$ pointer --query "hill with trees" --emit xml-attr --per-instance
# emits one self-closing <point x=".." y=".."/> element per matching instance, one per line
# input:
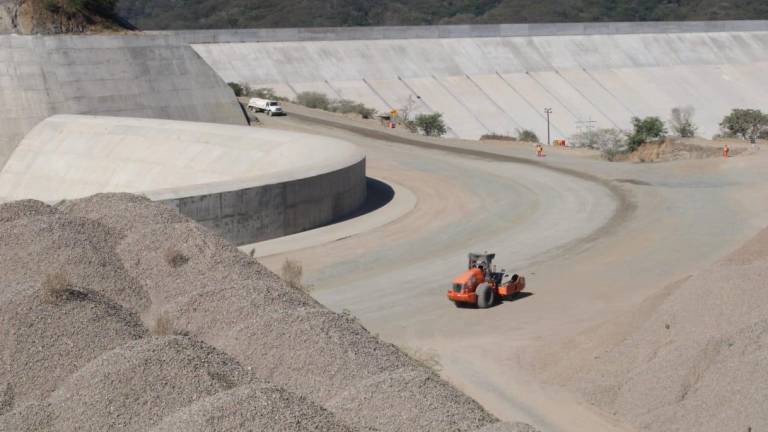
<point x="60" y="16"/>
<point x="200" y="14"/>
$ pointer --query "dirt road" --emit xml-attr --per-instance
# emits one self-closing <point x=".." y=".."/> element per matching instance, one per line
<point x="595" y="240"/>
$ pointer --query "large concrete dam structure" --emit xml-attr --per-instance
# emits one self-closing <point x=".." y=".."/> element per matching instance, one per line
<point x="248" y="184"/>
<point x="498" y="78"/>
<point x="110" y="75"/>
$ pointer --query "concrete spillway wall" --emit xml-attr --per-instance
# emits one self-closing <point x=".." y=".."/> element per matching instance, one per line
<point x="111" y="75"/>
<point x="248" y="184"/>
<point x="496" y="79"/>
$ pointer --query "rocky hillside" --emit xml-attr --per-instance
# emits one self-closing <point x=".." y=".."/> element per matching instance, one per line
<point x="197" y="14"/>
<point x="59" y="17"/>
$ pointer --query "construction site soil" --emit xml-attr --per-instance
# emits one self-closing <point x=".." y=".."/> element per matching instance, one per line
<point x="84" y="282"/>
<point x="697" y="362"/>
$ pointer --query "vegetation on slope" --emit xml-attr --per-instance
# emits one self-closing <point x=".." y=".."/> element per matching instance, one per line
<point x="180" y="14"/>
<point x="60" y="16"/>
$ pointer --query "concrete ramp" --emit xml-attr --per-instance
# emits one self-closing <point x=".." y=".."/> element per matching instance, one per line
<point x="496" y="79"/>
<point x="133" y="75"/>
<point x="249" y="184"/>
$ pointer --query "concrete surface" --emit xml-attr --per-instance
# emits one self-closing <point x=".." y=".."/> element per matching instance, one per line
<point x="249" y="184"/>
<point x="110" y="75"/>
<point x="496" y="80"/>
<point x="403" y="202"/>
<point x="453" y="31"/>
<point x="594" y="239"/>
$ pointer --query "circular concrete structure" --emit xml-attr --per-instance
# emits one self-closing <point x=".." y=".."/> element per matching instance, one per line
<point x="249" y="184"/>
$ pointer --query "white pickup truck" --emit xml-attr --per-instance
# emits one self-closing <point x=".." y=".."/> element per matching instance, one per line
<point x="264" y="105"/>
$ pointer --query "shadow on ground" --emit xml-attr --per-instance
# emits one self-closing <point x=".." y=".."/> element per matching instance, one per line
<point x="378" y="195"/>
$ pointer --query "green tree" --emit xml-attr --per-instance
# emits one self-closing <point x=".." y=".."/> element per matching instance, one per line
<point x="431" y="124"/>
<point x="101" y="6"/>
<point x="237" y="88"/>
<point x="746" y="123"/>
<point x="681" y="121"/>
<point x="527" y="135"/>
<point x="645" y="130"/>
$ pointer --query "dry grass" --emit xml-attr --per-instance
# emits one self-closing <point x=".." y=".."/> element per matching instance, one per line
<point x="56" y="288"/>
<point x="292" y="273"/>
<point x="175" y="258"/>
<point x="163" y="325"/>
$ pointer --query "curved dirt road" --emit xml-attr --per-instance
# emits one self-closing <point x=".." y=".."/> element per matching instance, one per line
<point x="594" y="239"/>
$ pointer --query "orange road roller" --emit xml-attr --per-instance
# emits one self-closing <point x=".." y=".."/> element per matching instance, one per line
<point x="481" y="285"/>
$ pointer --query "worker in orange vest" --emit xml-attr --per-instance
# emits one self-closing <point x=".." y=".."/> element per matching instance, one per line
<point x="726" y="150"/>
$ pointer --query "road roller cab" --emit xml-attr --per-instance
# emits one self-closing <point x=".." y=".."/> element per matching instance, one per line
<point x="481" y="285"/>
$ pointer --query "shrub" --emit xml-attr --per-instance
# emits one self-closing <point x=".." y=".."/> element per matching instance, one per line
<point x="649" y="129"/>
<point x="681" y="122"/>
<point x="163" y="325"/>
<point x="431" y="124"/>
<point x="346" y="106"/>
<point x="175" y="258"/>
<point x="312" y="99"/>
<point x="52" y="6"/>
<point x="497" y="137"/>
<point x="292" y="273"/>
<point x="610" y="142"/>
<point x="746" y="123"/>
<point x="527" y="135"/>
<point x="100" y="6"/>
<point x="266" y="93"/>
<point x="56" y="288"/>
<point x="237" y="89"/>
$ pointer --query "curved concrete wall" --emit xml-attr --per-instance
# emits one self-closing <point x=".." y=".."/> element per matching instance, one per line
<point x="249" y="184"/>
<point x="114" y="75"/>
<point x="500" y="78"/>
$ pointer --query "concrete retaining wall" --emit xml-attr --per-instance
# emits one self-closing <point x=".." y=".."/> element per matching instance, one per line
<point x="265" y="212"/>
<point x="110" y="75"/>
<point x="497" y="79"/>
<point x="248" y="184"/>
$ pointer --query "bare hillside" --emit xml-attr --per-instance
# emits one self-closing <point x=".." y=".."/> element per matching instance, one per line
<point x="59" y="17"/>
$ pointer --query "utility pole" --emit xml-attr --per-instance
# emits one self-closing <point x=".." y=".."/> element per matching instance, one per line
<point x="589" y="125"/>
<point x="548" y="111"/>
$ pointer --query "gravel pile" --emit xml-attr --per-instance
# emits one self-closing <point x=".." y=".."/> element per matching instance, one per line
<point x="252" y="408"/>
<point x="699" y="363"/>
<point x="254" y="353"/>
<point x="137" y="385"/>
<point x="41" y="344"/>
<point x="47" y="242"/>
<point x="232" y="302"/>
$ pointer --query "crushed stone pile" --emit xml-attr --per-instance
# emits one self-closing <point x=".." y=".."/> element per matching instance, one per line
<point x="232" y="302"/>
<point x="252" y="408"/>
<point x="699" y="362"/>
<point x="239" y="346"/>
<point x="37" y="242"/>
<point x="43" y="341"/>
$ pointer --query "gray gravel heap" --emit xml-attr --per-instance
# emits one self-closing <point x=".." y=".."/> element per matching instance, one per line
<point x="700" y="361"/>
<point x="232" y="302"/>
<point x="41" y="344"/>
<point x="252" y="408"/>
<point x="255" y="354"/>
